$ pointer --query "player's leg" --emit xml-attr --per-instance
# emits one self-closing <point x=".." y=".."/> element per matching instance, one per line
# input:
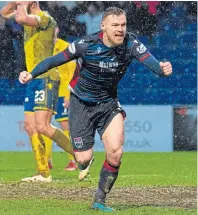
<point x="48" y="150"/>
<point x="36" y="140"/>
<point x="38" y="145"/>
<point x="82" y="134"/>
<point x="40" y="102"/>
<point x="113" y="138"/>
<point x="62" y="118"/>
<point x="43" y="119"/>
<point x="45" y="107"/>
<point x="85" y="160"/>
<point x="71" y="166"/>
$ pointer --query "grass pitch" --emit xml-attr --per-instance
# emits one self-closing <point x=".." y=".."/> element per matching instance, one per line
<point x="148" y="184"/>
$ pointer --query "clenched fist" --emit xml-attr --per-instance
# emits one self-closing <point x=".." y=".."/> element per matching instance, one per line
<point x="25" y="77"/>
<point x="166" y="68"/>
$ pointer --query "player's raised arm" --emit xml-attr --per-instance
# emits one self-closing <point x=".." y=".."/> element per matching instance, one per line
<point x="44" y="66"/>
<point x="50" y="63"/>
<point x="141" y="53"/>
<point x="8" y="10"/>
<point x="74" y="51"/>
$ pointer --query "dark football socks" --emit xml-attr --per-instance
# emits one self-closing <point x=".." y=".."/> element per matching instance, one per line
<point x="108" y="176"/>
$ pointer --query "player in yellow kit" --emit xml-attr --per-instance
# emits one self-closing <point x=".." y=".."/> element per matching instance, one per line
<point x="66" y="72"/>
<point x="42" y="93"/>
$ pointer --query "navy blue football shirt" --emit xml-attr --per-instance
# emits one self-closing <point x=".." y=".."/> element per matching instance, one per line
<point x="102" y="67"/>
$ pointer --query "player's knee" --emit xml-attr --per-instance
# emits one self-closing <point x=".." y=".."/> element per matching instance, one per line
<point x="83" y="157"/>
<point x="41" y="129"/>
<point x="114" y="156"/>
<point x="82" y="160"/>
<point x="116" y="152"/>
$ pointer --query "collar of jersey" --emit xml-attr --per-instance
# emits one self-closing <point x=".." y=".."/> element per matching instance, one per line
<point x="100" y="36"/>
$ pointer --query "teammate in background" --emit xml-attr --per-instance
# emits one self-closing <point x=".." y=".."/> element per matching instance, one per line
<point x="66" y="72"/>
<point x="105" y="55"/>
<point x="41" y="93"/>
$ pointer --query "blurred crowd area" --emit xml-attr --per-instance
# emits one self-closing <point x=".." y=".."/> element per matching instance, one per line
<point x="78" y="18"/>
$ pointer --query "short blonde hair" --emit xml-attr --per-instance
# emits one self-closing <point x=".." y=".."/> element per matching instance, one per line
<point x="113" y="11"/>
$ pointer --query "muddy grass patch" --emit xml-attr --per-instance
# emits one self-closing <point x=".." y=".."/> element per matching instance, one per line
<point x="173" y="196"/>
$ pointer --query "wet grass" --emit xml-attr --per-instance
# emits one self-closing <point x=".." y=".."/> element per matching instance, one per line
<point x="148" y="183"/>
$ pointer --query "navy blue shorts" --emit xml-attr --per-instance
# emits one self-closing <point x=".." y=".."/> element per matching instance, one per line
<point x="85" y="118"/>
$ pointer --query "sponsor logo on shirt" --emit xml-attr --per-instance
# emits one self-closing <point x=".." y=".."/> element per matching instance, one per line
<point x="103" y="64"/>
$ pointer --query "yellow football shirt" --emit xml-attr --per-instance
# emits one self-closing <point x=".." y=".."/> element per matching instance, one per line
<point x="39" y="43"/>
<point x="66" y="71"/>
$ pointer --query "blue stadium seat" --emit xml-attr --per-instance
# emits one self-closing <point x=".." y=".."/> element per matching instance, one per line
<point x="2" y="96"/>
<point x="145" y="40"/>
<point x="5" y="83"/>
<point x="15" y="96"/>
<point x="185" y="95"/>
<point x="192" y="27"/>
<point x="188" y="40"/>
<point x="17" y="84"/>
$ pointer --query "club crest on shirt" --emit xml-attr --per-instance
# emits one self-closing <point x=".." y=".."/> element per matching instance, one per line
<point x="78" y="142"/>
<point x="141" y="48"/>
<point x="121" y="50"/>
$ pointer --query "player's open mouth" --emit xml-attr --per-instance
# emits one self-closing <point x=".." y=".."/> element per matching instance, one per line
<point x="119" y="36"/>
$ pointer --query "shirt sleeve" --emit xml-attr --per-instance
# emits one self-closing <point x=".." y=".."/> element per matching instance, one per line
<point x="140" y="53"/>
<point x="74" y="51"/>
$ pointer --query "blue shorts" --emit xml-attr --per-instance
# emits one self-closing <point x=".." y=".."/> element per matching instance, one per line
<point x="41" y="94"/>
<point x="62" y="112"/>
<point x="85" y="118"/>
